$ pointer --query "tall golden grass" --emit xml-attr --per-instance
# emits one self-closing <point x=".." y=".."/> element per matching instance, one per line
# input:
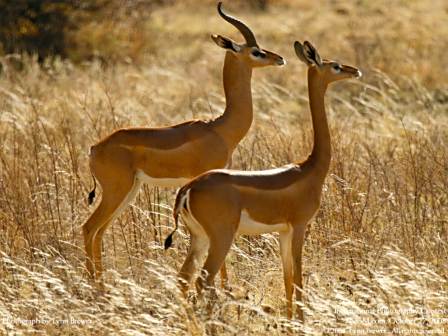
<point x="376" y="255"/>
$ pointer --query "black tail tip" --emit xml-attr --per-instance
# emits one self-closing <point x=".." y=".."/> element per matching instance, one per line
<point x="91" y="196"/>
<point x="169" y="241"/>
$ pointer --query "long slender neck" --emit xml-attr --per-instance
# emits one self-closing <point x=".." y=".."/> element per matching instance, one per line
<point x="237" y="118"/>
<point x="321" y="154"/>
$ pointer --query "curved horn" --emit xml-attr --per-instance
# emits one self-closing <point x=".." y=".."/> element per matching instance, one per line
<point x="247" y="33"/>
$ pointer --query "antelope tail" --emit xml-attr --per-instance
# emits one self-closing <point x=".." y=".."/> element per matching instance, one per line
<point x="91" y="196"/>
<point x="181" y="197"/>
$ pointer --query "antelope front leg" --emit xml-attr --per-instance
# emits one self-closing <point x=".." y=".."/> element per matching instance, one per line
<point x="287" y="261"/>
<point x="297" y="247"/>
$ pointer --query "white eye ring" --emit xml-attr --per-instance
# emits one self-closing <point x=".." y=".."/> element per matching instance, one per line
<point x="336" y="68"/>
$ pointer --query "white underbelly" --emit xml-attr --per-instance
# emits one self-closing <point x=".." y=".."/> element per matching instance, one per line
<point x="162" y="182"/>
<point x="248" y="226"/>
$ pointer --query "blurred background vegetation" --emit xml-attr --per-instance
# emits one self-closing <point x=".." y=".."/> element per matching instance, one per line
<point x="397" y="38"/>
<point x="77" y="29"/>
<point x="50" y="27"/>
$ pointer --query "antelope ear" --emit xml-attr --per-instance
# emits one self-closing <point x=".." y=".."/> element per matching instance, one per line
<point x="226" y="43"/>
<point x="311" y="54"/>
<point x="298" y="47"/>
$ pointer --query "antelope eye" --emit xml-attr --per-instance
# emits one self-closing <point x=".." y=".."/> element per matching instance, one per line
<point x="257" y="53"/>
<point x="336" y="68"/>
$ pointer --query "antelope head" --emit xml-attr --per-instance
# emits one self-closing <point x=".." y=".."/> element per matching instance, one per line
<point x="327" y="70"/>
<point x="249" y="52"/>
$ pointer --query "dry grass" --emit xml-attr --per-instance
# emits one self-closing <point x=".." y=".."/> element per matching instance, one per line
<point x="376" y="255"/>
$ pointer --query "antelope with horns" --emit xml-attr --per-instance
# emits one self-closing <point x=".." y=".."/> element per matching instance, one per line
<point x="221" y="204"/>
<point x="171" y="156"/>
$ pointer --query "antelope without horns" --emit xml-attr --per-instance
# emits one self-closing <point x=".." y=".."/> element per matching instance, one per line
<point x="221" y="204"/>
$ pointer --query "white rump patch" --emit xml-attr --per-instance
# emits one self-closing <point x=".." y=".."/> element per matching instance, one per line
<point x="161" y="182"/>
<point x="182" y="201"/>
<point x="248" y="226"/>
